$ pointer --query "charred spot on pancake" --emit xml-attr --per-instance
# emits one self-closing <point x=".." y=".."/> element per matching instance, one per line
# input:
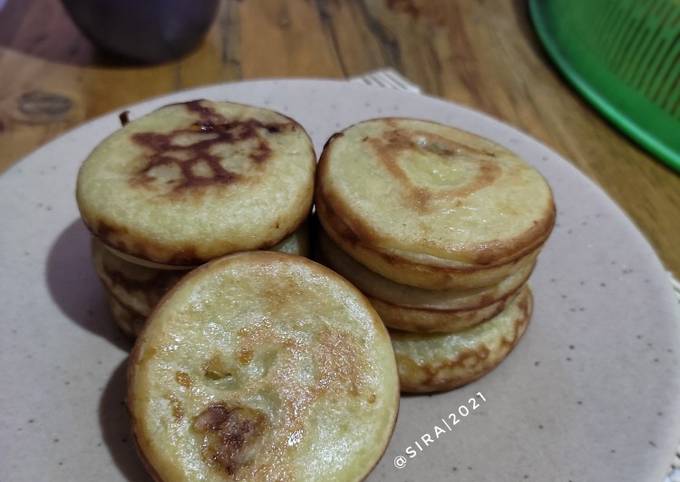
<point x="183" y="379"/>
<point x="198" y="107"/>
<point x="180" y="151"/>
<point x="230" y="435"/>
<point x="261" y="153"/>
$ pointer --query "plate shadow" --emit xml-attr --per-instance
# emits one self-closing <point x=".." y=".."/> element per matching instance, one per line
<point x="114" y="422"/>
<point x="75" y="288"/>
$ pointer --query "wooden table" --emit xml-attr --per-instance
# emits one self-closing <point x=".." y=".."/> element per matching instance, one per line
<point x="479" y="53"/>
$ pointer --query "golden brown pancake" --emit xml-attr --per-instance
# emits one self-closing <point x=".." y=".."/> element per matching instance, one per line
<point x="380" y="288"/>
<point x="193" y="181"/>
<point x="141" y="287"/>
<point x="129" y="322"/>
<point x="262" y="366"/>
<point x="407" y="308"/>
<point x="423" y="320"/>
<point x="438" y="362"/>
<point x="431" y="206"/>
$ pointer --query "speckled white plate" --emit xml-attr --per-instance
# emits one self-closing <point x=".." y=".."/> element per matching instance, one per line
<point x="591" y="394"/>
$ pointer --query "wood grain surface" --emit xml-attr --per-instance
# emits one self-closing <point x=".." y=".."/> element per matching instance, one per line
<point x="479" y="53"/>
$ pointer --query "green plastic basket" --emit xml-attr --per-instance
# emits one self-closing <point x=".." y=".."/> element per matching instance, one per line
<point x="624" y="57"/>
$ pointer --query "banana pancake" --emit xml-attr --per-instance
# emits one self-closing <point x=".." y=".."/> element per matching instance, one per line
<point x="431" y="206"/>
<point x="193" y="181"/>
<point x="262" y="366"/>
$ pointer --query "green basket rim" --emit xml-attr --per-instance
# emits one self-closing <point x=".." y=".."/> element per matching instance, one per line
<point x="615" y="115"/>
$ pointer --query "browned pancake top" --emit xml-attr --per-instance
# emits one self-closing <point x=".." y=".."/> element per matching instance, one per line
<point x="187" y="150"/>
<point x="428" y="192"/>
<point x="197" y="180"/>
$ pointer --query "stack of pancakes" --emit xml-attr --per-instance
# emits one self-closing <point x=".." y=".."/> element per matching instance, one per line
<point x="440" y="229"/>
<point x="188" y="183"/>
<point x="262" y="365"/>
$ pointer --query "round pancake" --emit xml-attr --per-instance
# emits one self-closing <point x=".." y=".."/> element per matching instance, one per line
<point x="193" y="181"/>
<point x="141" y="288"/>
<point x="378" y="287"/>
<point x="423" y="320"/>
<point x="429" y="277"/>
<point x="262" y="366"/>
<point x="127" y="320"/>
<point x="432" y="363"/>
<point x="431" y="206"/>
